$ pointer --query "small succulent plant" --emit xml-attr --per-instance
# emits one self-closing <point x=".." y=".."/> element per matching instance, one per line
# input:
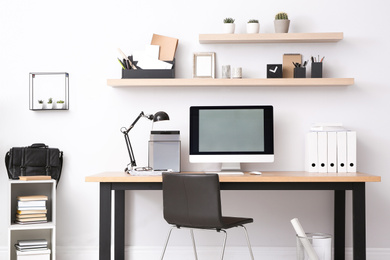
<point x="281" y="16"/>
<point x="253" y="21"/>
<point x="40" y="101"/>
<point x="228" y="20"/>
<point x="50" y="101"/>
<point x="60" y="102"/>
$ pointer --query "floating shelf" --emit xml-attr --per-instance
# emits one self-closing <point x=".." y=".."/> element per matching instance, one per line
<point x="271" y="38"/>
<point x="199" y="82"/>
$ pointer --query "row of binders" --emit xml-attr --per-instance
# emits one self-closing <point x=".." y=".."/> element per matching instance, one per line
<point x="331" y="151"/>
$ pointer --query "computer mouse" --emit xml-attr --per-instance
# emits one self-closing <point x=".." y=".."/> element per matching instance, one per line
<point x="255" y="172"/>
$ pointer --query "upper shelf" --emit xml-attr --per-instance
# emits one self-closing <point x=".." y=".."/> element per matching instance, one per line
<point x="198" y="82"/>
<point x="271" y="38"/>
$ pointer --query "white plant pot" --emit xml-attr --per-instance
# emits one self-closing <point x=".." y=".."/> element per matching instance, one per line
<point x="281" y="26"/>
<point x="60" y="105"/>
<point x="40" y="106"/>
<point x="229" y="27"/>
<point x="252" y="27"/>
<point x="49" y="106"/>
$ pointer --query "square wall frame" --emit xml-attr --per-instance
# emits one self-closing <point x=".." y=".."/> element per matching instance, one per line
<point x="49" y="85"/>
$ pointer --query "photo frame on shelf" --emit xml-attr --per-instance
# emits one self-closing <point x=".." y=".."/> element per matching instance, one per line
<point x="204" y="65"/>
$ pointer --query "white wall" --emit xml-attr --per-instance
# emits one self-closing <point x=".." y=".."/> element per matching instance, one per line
<point x="82" y="37"/>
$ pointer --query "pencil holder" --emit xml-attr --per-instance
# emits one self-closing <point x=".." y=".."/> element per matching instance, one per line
<point x="300" y="72"/>
<point x="316" y="69"/>
<point x="314" y="246"/>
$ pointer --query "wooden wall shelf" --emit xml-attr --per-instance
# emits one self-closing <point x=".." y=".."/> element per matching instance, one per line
<point x="271" y="38"/>
<point x="198" y="82"/>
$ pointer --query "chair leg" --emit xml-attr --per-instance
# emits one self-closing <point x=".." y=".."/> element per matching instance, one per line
<point x="166" y="243"/>
<point x="193" y="243"/>
<point x="224" y="244"/>
<point x="248" y="242"/>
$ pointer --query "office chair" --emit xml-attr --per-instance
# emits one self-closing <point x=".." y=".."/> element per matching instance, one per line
<point x="193" y="201"/>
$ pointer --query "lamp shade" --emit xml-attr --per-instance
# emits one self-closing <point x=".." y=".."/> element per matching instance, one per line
<point x="160" y="116"/>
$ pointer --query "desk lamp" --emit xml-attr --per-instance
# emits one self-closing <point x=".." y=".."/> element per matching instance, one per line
<point x="159" y="116"/>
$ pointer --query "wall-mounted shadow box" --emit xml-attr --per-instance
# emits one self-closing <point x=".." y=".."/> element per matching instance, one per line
<point x="148" y="73"/>
<point x="46" y="86"/>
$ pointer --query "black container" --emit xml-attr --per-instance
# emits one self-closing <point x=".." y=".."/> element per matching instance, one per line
<point x="300" y="72"/>
<point x="144" y="74"/>
<point x="316" y="69"/>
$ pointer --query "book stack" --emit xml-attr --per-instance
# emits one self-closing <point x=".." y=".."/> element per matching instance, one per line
<point x="31" y="245"/>
<point x="32" y="249"/>
<point x="31" y="209"/>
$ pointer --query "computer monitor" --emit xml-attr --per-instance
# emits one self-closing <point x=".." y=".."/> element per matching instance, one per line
<point x="231" y="135"/>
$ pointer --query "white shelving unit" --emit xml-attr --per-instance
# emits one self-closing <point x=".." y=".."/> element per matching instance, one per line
<point x="32" y="231"/>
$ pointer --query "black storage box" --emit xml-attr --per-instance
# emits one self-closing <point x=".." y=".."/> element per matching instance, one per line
<point x="141" y="74"/>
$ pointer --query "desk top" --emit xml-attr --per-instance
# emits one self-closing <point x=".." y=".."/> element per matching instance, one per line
<point x="282" y="176"/>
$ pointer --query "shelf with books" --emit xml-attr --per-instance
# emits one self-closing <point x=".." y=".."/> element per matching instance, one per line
<point x="36" y="201"/>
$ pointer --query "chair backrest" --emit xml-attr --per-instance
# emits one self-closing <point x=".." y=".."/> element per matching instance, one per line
<point x="192" y="200"/>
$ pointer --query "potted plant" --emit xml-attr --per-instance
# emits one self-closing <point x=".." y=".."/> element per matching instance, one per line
<point x="253" y="26"/>
<point x="40" y="104"/>
<point x="229" y="25"/>
<point x="281" y="23"/>
<point x="49" y="104"/>
<point x="60" y="104"/>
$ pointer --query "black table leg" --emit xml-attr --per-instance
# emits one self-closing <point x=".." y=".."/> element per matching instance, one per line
<point x="105" y="221"/>
<point x="119" y="225"/>
<point x="359" y="220"/>
<point x="339" y="224"/>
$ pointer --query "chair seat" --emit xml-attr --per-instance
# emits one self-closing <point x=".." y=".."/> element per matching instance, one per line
<point x="226" y="223"/>
<point x="229" y="222"/>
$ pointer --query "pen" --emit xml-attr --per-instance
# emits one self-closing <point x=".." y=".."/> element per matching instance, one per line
<point x="322" y="58"/>
<point x="121" y="63"/>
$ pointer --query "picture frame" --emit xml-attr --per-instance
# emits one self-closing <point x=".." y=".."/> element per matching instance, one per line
<point x="204" y="65"/>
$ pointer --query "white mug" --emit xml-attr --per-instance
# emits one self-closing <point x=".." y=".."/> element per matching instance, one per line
<point x="237" y="73"/>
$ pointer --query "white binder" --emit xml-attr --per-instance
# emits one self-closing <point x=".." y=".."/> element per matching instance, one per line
<point x="322" y="152"/>
<point x="351" y="151"/>
<point x="342" y="151"/>
<point x="332" y="151"/>
<point x="311" y="160"/>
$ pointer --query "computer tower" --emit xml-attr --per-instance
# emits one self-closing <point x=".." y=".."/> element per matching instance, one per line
<point x="164" y="150"/>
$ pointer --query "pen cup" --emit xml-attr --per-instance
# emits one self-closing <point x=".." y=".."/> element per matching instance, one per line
<point x="300" y="72"/>
<point x="316" y="69"/>
<point x="314" y="244"/>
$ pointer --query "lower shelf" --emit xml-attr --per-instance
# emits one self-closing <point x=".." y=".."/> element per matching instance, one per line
<point x="199" y="82"/>
<point x="47" y="233"/>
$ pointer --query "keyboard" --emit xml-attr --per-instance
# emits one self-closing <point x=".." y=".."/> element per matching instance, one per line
<point x="226" y="173"/>
<point x="146" y="173"/>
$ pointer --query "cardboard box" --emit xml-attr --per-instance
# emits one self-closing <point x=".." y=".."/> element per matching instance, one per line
<point x="33" y="255"/>
<point x="288" y="66"/>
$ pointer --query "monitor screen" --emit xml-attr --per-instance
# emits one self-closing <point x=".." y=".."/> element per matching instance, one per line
<point x="234" y="134"/>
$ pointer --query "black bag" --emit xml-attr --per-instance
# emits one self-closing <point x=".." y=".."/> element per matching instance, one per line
<point x="37" y="159"/>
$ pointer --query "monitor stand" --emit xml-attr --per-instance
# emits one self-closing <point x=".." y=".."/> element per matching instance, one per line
<point x="229" y="169"/>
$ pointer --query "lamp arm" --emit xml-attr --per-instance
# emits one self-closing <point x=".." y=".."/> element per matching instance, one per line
<point x="130" y="150"/>
<point x="135" y="121"/>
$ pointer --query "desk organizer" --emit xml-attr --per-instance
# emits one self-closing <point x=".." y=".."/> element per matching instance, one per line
<point x="300" y="72"/>
<point x="140" y="73"/>
<point x="316" y="70"/>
